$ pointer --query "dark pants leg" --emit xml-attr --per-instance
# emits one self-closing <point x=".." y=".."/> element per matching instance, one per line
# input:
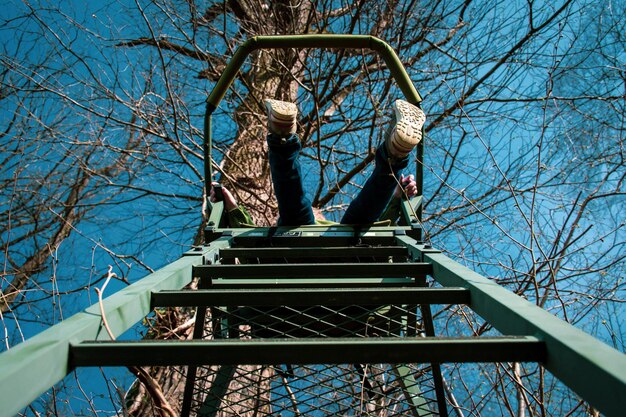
<point x="294" y="207"/>
<point x="372" y="200"/>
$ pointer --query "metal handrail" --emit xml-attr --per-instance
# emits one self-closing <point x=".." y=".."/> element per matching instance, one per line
<point x="319" y="41"/>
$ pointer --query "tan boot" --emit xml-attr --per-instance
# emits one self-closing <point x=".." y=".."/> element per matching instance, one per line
<point x="406" y="132"/>
<point x="281" y="117"/>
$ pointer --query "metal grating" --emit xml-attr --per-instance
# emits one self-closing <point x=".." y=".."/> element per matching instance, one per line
<point x="311" y="321"/>
<point x="315" y="390"/>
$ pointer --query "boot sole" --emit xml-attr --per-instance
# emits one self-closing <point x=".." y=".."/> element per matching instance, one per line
<point x="407" y="132"/>
<point x="281" y="110"/>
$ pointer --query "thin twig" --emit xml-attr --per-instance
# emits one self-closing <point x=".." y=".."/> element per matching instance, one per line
<point x="152" y="386"/>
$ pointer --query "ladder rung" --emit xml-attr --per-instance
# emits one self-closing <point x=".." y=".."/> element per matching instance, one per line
<point x="315" y="238"/>
<point x="308" y="351"/>
<point x="315" y="252"/>
<point x="314" y="270"/>
<point x="238" y="283"/>
<point x="310" y="297"/>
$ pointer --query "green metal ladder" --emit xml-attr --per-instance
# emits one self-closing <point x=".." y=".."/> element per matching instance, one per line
<point x="342" y="269"/>
<point x="308" y="301"/>
<point x="592" y="369"/>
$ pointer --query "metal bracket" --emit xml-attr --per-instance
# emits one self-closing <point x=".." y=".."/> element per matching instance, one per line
<point x="211" y="233"/>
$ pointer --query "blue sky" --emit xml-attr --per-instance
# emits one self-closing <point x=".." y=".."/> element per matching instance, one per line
<point x="113" y="226"/>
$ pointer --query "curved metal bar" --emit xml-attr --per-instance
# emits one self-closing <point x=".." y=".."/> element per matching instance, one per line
<point x="320" y="41"/>
<point x="315" y="41"/>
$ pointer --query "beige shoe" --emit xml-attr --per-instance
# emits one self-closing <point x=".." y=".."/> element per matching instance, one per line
<point x="281" y="116"/>
<point x="406" y="133"/>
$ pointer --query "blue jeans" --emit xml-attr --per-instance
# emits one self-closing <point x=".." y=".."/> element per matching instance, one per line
<point x="294" y="207"/>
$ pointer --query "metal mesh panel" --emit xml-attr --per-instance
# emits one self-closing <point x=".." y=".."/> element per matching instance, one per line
<point x="313" y="390"/>
<point x="310" y="321"/>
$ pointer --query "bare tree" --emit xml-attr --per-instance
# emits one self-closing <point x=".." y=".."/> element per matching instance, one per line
<point x="524" y="149"/>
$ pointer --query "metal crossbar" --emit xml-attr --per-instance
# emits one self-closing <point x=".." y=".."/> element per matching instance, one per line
<point x="313" y="270"/>
<point x="310" y="296"/>
<point x="308" y="351"/>
<point x="314" y="252"/>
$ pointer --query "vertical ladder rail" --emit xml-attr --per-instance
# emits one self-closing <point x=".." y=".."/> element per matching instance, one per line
<point x="34" y="366"/>
<point x="192" y="370"/>
<point x="429" y="329"/>
<point x="435" y="367"/>
<point x="600" y="372"/>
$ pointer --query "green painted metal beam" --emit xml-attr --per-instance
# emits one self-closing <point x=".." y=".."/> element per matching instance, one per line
<point x="313" y="270"/>
<point x="308" y="351"/>
<point x="32" y="367"/>
<point x="306" y="236"/>
<point x="311" y="283"/>
<point x="314" y="235"/>
<point x="410" y="208"/>
<point x="591" y="368"/>
<point x="310" y="239"/>
<point x="315" y="252"/>
<point x="310" y="297"/>
<point x="335" y="230"/>
<point x="418" y="405"/>
<point x="217" y="210"/>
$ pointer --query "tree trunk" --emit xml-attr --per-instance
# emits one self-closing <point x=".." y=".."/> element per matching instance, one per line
<point x="245" y="171"/>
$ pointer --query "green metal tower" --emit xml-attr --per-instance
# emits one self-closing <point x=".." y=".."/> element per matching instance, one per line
<point x="332" y="320"/>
